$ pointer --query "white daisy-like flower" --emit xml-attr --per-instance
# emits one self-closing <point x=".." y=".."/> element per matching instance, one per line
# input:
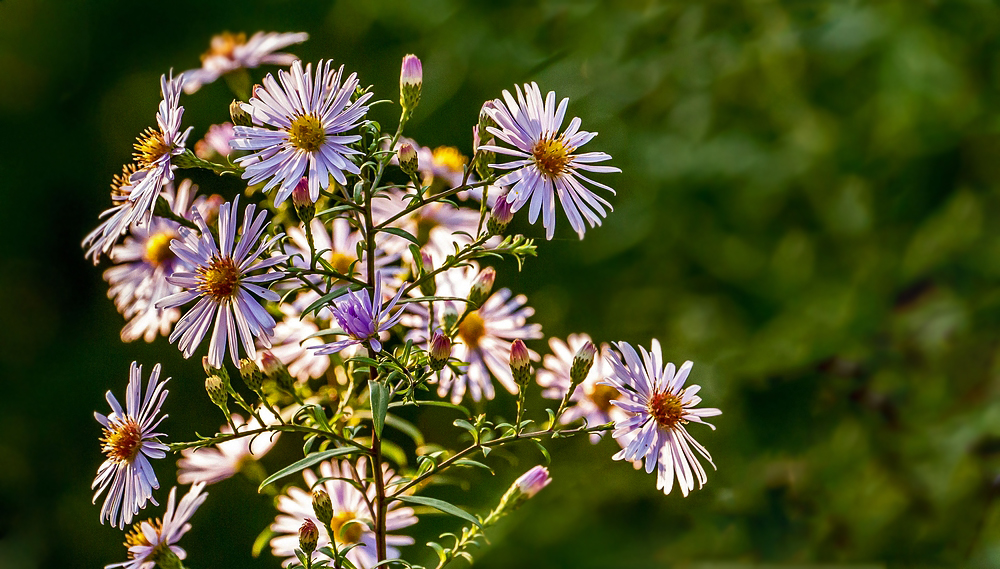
<point x="224" y="285"/>
<point x="130" y="440"/>
<point x="547" y="164"/>
<point x="228" y="52"/>
<point x="310" y="114"/>
<point x="658" y="406"/>
<point x="591" y="400"/>
<point x="217" y="463"/>
<point x="151" y="542"/>
<point x="349" y="505"/>
<point x="484" y="336"/>
<point x="293" y="337"/>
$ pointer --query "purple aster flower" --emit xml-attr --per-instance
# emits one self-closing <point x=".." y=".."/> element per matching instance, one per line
<point x="223" y="284"/>
<point x="228" y="52"/>
<point x="130" y="440"/>
<point x="363" y="318"/>
<point x="154" y="542"/>
<point x="310" y="114"/>
<point x="546" y="164"/>
<point x="658" y="406"/>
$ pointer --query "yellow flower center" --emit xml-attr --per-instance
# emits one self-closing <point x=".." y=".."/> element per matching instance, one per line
<point x="601" y="395"/>
<point x="449" y="157"/>
<point x="667" y="409"/>
<point x="341" y="263"/>
<point x="120" y="186"/>
<point x="158" y="248"/>
<point x="220" y="279"/>
<point x="307" y="133"/>
<point x="122" y="441"/>
<point x="224" y="44"/>
<point x="472" y="329"/>
<point x="150" y="147"/>
<point x="136" y="537"/>
<point x="551" y="156"/>
<point x="351" y="534"/>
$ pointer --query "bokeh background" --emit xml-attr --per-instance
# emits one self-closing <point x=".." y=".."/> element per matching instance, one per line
<point x="804" y="211"/>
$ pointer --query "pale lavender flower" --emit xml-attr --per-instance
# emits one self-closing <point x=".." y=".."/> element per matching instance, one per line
<point x="546" y="164"/>
<point x="310" y="114"/>
<point x="363" y="318"/>
<point x="658" y="406"/>
<point x="216" y="142"/>
<point x="351" y="517"/>
<point x="217" y="463"/>
<point x="293" y="337"/>
<point x="223" y="284"/>
<point x="532" y="481"/>
<point x="151" y="542"/>
<point x="130" y="440"/>
<point x="229" y="52"/>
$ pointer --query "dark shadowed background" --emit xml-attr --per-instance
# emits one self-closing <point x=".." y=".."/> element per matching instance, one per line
<point x="804" y="211"/>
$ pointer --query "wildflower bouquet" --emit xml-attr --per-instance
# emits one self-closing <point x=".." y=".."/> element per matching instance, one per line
<point x="346" y="284"/>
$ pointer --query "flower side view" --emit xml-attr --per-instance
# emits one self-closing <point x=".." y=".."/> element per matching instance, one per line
<point x="130" y="440"/>
<point x="658" y="406"/>
<point x="228" y="52"/>
<point x="223" y="285"/>
<point x="547" y="164"/>
<point x="363" y="318"/>
<point x="311" y="113"/>
<point x="154" y="542"/>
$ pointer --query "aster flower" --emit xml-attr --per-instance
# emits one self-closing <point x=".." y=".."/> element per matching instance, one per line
<point x="216" y="142"/>
<point x="154" y="542"/>
<point x="484" y="335"/>
<point x="215" y="464"/>
<point x="363" y="318"/>
<point x="130" y="440"/>
<point x="658" y="406"/>
<point x="546" y="162"/>
<point x="223" y="284"/>
<point x="229" y="52"/>
<point x="349" y="505"/>
<point x="591" y="400"/>
<point x="293" y="341"/>
<point x="116" y="219"/>
<point x="310" y="114"/>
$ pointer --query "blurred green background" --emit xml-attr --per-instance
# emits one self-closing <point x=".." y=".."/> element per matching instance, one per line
<point x="804" y="212"/>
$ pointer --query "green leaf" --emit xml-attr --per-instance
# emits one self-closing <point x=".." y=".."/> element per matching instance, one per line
<point x="261" y="541"/>
<point x="325" y="299"/>
<point x="545" y="452"/>
<point x="306" y="463"/>
<point x="401" y="233"/>
<point x="380" y="405"/>
<point x="467" y="462"/>
<point x="442" y="506"/>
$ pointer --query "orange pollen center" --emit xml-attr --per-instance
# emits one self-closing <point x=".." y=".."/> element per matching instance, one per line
<point x="120" y="186"/>
<point x="224" y="44"/>
<point x="220" y="279"/>
<point x="158" y="248"/>
<point x="551" y="156"/>
<point x="472" y="329"/>
<point x="601" y="395"/>
<point x="150" y="147"/>
<point x="307" y="133"/>
<point x="122" y="441"/>
<point x="351" y="534"/>
<point x="667" y="409"/>
<point x="341" y="263"/>
<point x="136" y="537"/>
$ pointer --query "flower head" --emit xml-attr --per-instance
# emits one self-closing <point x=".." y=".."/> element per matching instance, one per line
<point x="658" y="406"/>
<point x="532" y="481"/>
<point x="229" y="52"/>
<point x="152" y="542"/>
<point x="363" y="318"/>
<point x="215" y="464"/>
<point x="130" y="440"/>
<point x="547" y="163"/>
<point x="224" y="285"/>
<point x="411" y="78"/>
<point x="216" y="142"/>
<point x="309" y="113"/>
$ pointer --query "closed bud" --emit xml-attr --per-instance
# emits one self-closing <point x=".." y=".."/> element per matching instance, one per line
<point x="304" y="206"/>
<point x="500" y="217"/>
<point x="486" y="120"/>
<point x="308" y="536"/>
<point x="582" y="362"/>
<point x="449" y="318"/>
<point x="483" y="157"/>
<point x="440" y="351"/>
<point x="216" y="390"/>
<point x="525" y="488"/>
<point x="482" y="286"/>
<point x="275" y="370"/>
<point x="407" y="156"/>
<point x="322" y="506"/>
<point x="520" y="366"/>
<point x="427" y="286"/>
<point x="411" y="79"/>
<point x="219" y="371"/>
<point x="238" y="115"/>
<point x="251" y="374"/>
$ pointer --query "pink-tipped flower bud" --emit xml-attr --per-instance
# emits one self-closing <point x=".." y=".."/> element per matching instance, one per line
<point x="532" y="481"/>
<point x="322" y="506"/>
<point x="216" y="390"/>
<point x="275" y="370"/>
<point x="482" y="286"/>
<point x="308" y="536"/>
<point x="239" y="116"/>
<point x="428" y="286"/>
<point x="440" y="351"/>
<point x="411" y="79"/>
<point x="582" y="362"/>
<point x="520" y="365"/>
<point x="500" y="217"/>
<point x="304" y="206"/>
<point x="407" y="156"/>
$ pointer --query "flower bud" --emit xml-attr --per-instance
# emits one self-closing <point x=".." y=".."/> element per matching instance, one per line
<point x="238" y="115"/>
<point x="520" y="366"/>
<point x="407" y="156"/>
<point x="582" y="362"/>
<point x="308" y="536"/>
<point x="251" y="374"/>
<point x="486" y="120"/>
<point x="427" y="286"/>
<point x="500" y="217"/>
<point x="532" y="481"/>
<point x="216" y="390"/>
<point x="275" y="370"/>
<point x="482" y="286"/>
<point x="304" y="206"/>
<point x="440" y="351"/>
<point x="483" y="157"/>
<point x="322" y="506"/>
<point x="449" y="318"/>
<point x="219" y="371"/>
<point x="411" y="78"/>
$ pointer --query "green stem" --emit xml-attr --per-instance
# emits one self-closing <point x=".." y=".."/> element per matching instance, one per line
<point x="176" y="447"/>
